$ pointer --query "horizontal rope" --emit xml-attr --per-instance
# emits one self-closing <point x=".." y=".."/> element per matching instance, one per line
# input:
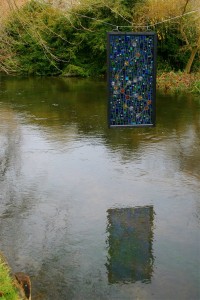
<point x="134" y="25"/>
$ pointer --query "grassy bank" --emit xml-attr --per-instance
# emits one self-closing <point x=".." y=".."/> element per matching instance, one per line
<point x="178" y="82"/>
<point x="7" y="289"/>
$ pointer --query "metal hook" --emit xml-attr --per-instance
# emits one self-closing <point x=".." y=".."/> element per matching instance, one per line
<point x="148" y="28"/>
<point x="116" y="29"/>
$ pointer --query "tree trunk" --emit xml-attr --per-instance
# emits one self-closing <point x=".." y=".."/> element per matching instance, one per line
<point x="191" y="59"/>
<point x="192" y="56"/>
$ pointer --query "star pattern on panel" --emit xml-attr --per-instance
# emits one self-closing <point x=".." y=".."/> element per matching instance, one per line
<point x="131" y="79"/>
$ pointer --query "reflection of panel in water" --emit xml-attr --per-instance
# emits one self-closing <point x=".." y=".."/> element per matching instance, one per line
<point x="130" y="244"/>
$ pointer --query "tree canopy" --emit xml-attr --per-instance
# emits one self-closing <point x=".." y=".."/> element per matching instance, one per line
<point x="45" y="39"/>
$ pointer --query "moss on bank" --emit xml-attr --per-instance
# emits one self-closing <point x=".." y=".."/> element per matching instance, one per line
<point x="7" y="288"/>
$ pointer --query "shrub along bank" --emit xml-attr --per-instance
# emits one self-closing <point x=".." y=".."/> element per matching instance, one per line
<point x="178" y="82"/>
<point x="42" y="40"/>
<point x="39" y="39"/>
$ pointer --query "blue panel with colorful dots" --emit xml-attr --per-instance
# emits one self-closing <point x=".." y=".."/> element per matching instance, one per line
<point x="131" y="79"/>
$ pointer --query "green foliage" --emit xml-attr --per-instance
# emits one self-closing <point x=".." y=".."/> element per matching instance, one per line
<point x="7" y="290"/>
<point x="37" y="47"/>
<point x="195" y="86"/>
<point x="72" y="70"/>
<point x="170" y="53"/>
<point x="46" y="41"/>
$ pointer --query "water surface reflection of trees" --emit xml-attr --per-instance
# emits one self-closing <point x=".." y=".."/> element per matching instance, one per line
<point x="57" y="105"/>
<point x="60" y="108"/>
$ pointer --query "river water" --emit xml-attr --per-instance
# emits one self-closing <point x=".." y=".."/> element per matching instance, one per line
<point x="96" y="213"/>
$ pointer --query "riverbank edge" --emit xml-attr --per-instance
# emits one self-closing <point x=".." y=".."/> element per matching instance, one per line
<point x="10" y="289"/>
<point x="178" y="82"/>
<point x="166" y="82"/>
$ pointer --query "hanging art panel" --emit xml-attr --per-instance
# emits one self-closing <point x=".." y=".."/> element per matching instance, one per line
<point x="131" y="79"/>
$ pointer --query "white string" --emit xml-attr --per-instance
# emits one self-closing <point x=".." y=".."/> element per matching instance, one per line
<point x="84" y="16"/>
<point x="137" y="26"/>
<point x="177" y="17"/>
